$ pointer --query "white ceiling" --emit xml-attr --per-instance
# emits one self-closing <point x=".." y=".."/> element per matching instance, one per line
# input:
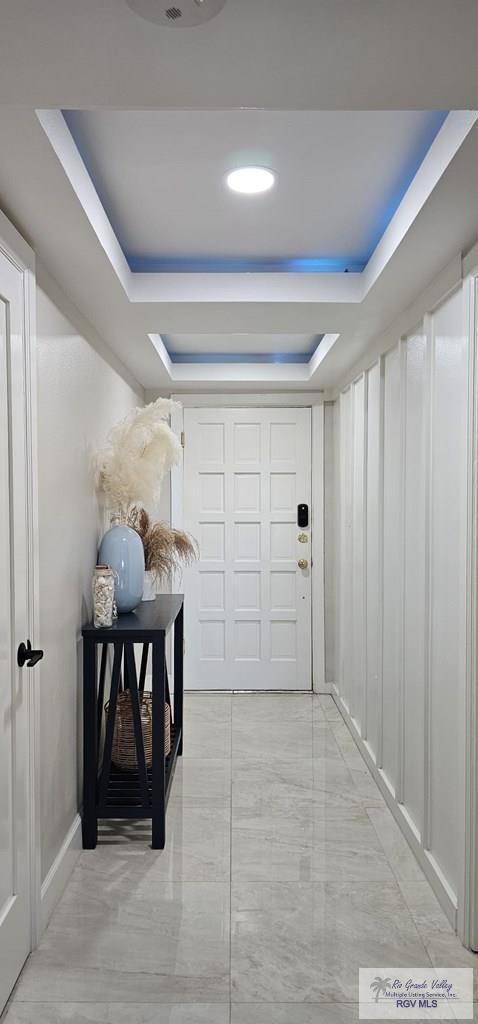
<point x="279" y="54"/>
<point x="39" y="197"/>
<point x="306" y="55"/>
<point x="340" y="177"/>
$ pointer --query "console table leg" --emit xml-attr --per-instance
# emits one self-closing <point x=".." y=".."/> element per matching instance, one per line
<point x="158" y="766"/>
<point x="178" y="674"/>
<point x="90" y="748"/>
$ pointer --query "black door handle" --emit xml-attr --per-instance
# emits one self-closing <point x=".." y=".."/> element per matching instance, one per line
<point x="25" y="654"/>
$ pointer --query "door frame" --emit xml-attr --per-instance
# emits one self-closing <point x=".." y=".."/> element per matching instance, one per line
<point x="467" y="923"/>
<point x="19" y="253"/>
<point x="280" y="400"/>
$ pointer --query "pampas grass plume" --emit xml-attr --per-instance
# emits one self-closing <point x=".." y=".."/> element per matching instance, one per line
<point x="138" y="452"/>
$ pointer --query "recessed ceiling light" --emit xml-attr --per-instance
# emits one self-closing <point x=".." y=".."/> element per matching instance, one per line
<point x="251" y="180"/>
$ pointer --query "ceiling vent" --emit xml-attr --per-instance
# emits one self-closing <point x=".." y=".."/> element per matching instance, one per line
<point x="183" y="14"/>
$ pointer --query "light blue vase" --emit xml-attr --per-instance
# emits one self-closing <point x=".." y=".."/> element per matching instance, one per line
<point x="122" y="548"/>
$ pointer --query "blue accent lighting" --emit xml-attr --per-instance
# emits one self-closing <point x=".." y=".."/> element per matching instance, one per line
<point x="141" y="263"/>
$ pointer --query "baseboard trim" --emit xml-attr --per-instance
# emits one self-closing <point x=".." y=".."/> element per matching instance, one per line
<point x="443" y="892"/>
<point x="59" y="873"/>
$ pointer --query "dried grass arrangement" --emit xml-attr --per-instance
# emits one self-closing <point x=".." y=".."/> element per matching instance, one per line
<point x="137" y="453"/>
<point x="166" y="550"/>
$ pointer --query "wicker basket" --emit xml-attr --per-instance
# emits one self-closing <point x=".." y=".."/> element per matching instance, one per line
<point x="124" y="746"/>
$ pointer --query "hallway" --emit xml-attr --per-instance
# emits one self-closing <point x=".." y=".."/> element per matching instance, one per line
<point x="284" y="872"/>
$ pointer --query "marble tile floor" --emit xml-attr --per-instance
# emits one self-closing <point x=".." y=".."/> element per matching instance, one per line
<point x="284" y="871"/>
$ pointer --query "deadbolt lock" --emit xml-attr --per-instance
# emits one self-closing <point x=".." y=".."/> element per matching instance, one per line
<point x="303" y="563"/>
<point x="303" y="538"/>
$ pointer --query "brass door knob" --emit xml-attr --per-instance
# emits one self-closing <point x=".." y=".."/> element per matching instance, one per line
<point x="303" y="563"/>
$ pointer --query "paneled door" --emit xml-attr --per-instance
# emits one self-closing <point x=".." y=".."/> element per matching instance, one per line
<point x="15" y="587"/>
<point x="248" y="598"/>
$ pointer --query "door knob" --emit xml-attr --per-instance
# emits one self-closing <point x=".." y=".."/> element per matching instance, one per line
<point x="25" y="655"/>
<point x="303" y="563"/>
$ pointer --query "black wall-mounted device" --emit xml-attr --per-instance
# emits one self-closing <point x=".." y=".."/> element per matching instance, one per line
<point x="302" y="516"/>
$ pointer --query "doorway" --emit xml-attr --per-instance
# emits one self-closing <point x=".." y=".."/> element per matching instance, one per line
<point x="16" y="612"/>
<point x="248" y="598"/>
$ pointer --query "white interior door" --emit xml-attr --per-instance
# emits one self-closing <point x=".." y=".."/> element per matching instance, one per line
<point x="247" y="601"/>
<point x="15" y="922"/>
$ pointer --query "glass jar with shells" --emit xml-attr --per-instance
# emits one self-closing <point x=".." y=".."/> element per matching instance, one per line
<point x="103" y="596"/>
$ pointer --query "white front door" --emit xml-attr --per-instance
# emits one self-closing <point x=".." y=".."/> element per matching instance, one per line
<point x="247" y="601"/>
<point x="15" y="924"/>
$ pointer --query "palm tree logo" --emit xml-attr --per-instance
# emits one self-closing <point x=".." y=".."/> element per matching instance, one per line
<point x="380" y="985"/>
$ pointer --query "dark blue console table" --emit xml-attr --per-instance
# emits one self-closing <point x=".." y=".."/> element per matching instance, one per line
<point x="109" y="792"/>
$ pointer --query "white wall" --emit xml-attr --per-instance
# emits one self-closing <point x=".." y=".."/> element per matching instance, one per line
<point x="401" y="532"/>
<point x="80" y="395"/>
